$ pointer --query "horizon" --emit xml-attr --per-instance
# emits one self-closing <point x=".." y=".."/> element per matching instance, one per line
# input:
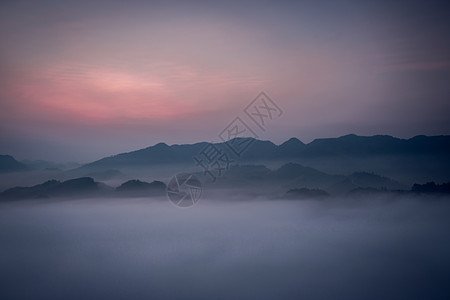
<point x="216" y="142"/>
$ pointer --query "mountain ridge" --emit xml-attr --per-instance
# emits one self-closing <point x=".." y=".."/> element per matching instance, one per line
<point x="9" y="164"/>
<point x="347" y="145"/>
<point x="293" y="180"/>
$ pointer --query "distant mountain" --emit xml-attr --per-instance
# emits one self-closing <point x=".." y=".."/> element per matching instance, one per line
<point x="431" y="188"/>
<point x="37" y="191"/>
<point x="378" y="145"/>
<point x="9" y="164"/>
<point x="293" y="176"/>
<point x="242" y="175"/>
<point x="84" y="186"/>
<point x="299" y="181"/>
<point x="293" y="170"/>
<point x="137" y="188"/>
<point x="291" y="148"/>
<point x="289" y="175"/>
<point x="365" y="179"/>
<point x="106" y="174"/>
<point x="298" y="175"/>
<point x="158" y="154"/>
<point x="49" y="166"/>
<point x="345" y="146"/>
<point x="369" y="192"/>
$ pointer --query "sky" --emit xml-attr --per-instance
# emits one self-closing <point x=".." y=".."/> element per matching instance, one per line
<point x="86" y="79"/>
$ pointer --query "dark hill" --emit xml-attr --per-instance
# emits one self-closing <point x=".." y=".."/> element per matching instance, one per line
<point x="137" y="188"/>
<point x="365" y="179"/>
<point x="84" y="186"/>
<point x="431" y="188"/>
<point x="9" y="164"/>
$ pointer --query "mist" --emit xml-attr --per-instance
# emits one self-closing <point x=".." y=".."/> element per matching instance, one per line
<point x="144" y="248"/>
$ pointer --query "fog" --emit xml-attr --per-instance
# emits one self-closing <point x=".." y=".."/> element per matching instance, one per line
<point x="146" y="248"/>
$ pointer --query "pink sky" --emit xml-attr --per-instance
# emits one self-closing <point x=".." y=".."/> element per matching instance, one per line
<point x="99" y="81"/>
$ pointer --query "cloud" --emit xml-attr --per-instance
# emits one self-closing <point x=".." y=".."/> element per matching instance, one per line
<point x="217" y="249"/>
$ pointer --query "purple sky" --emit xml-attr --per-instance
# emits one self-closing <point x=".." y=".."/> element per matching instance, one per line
<point x="83" y="80"/>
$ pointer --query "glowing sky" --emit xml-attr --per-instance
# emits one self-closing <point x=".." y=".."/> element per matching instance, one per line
<point x="85" y="79"/>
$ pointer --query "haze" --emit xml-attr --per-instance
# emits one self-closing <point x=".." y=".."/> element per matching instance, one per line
<point x="246" y="249"/>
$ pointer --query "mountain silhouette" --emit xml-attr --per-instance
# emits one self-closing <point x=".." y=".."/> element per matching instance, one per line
<point x="293" y="176"/>
<point x="155" y="155"/>
<point x="106" y="174"/>
<point x="137" y="188"/>
<point x="9" y="164"/>
<point x="306" y="175"/>
<point x="431" y="188"/>
<point x="418" y="159"/>
<point x="365" y="179"/>
<point x="36" y="191"/>
<point x="84" y="186"/>
<point x="347" y="146"/>
<point x="378" y="145"/>
<point x="290" y="181"/>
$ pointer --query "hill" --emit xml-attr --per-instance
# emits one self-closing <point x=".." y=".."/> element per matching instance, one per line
<point x="78" y="187"/>
<point x="137" y="188"/>
<point x="9" y="164"/>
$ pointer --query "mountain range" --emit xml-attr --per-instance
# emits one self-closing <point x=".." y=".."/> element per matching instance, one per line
<point x="290" y="181"/>
<point x="84" y="187"/>
<point x="348" y="145"/>
<point x="418" y="159"/>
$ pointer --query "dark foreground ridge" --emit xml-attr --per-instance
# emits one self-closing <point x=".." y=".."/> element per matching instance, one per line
<point x="9" y="164"/>
<point x="84" y="187"/>
<point x="290" y="181"/>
